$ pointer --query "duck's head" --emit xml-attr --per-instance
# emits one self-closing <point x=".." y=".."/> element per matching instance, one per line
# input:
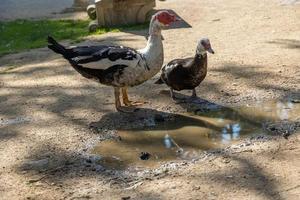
<point x="164" y="18"/>
<point x="161" y="20"/>
<point x="204" y="46"/>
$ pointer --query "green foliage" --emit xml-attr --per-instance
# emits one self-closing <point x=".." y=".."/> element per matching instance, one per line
<point x="19" y="35"/>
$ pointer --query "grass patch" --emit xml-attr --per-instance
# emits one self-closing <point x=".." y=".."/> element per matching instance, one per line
<point x="20" y="35"/>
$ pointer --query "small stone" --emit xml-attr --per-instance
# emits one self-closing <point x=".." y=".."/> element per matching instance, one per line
<point x="179" y="151"/>
<point x="145" y="155"/>
<point x="286" y="135"/>
<point x="33" y="181"/>
<point x="216" y="20"/>
<point x="125" y="198"/>
<point x="196" y="188"/>
<point x="119" y="138"/>
<point x="38" y="184"/>
<point x="184" y="163"/>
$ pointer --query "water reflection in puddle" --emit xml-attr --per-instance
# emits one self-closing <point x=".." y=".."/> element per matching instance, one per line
<point x="187" y="135"/>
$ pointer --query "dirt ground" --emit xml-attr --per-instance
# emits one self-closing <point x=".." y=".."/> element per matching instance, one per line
<point x="47" y="109"/>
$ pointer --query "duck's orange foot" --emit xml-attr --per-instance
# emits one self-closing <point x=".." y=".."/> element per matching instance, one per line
<point x="127" y="102"/>
<point x="135" y="103"/>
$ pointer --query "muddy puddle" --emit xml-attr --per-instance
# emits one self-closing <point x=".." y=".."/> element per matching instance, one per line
<point x="187" y="135"/>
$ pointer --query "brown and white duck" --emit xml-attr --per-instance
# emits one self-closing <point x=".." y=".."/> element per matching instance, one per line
<point x="187" y="73"/>
<point x="119" y="66"/>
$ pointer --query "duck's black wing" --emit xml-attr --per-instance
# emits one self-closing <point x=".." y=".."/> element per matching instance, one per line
<point x="112" y="53"/>
<point x="176" y="72"/>
<point x="105" y="55"/>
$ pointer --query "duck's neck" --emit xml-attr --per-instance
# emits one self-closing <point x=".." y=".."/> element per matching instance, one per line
<point x="200" y="63"/>
<point x="154" y="45"/>
<point x="200" y="56"/>
<point x="153" y="52"/>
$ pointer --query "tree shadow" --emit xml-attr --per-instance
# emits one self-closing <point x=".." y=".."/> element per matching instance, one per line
<point x="61" y="164"/>
<point x="65" y="98"/>
<point x="45" y="96"/>
<point x="255" y="77"/>
<point x="287" y="43"/>
<point x="64" y="166"/>
<point x="4" y="136"/>
<point x="252" y="178"/>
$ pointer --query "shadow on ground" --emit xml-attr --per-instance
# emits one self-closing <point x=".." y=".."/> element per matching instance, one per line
<point x="287" y="43"/>
<point x="251" y="177"/>
<point x="16" y="98"/>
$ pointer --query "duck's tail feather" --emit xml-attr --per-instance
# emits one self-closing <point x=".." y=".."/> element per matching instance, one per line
<point x="69" y="54"/>
<point x="58" y="48"/>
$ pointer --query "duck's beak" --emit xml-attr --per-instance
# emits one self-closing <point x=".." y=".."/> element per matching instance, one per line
<point x="210" y="50"/>
<point x="176" y="19"/>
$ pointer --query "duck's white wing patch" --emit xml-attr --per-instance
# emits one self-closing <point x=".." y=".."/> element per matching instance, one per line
<point x="169" y="68"/>
<point x="106" y="63"/>
<point x="110" y="56"/>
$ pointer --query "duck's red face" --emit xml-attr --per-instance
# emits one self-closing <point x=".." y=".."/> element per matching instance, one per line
<point x="166" y="18"/>
<point x="206" y="44"/>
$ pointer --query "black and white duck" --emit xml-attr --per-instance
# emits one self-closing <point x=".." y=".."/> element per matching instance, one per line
<point x="119" y="66"/>
<point x="187" y="73"/>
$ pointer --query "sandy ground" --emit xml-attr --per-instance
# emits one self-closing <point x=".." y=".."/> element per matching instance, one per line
<point x="44" y="150"/>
